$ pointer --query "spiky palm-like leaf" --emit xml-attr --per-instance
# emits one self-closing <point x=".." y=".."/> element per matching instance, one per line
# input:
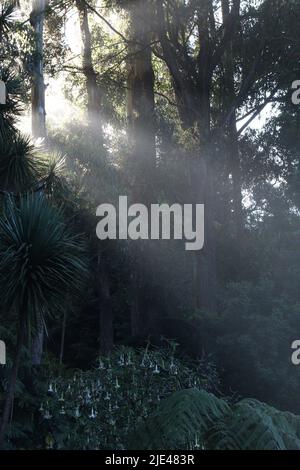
<point x="197" y="419"/>
<point x="40" y="258"/>
<point x="7" y="11"/>
<point x="20" y="167"/>
<point x="55" y="174"/>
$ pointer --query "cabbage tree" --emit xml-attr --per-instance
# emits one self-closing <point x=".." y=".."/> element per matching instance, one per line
<point x="40" y="260"/>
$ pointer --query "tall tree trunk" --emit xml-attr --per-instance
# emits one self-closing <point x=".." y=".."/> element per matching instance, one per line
<point x="204" y="178"/>
<point x="193" y="97"/>
<point x="141" y="130"/>
<point x="92" y="88"/>
<point x="9" y="398"/>
<point x="38" y="112"/>
<point x="205" y="279"/>
<point x="140" y="98"/>
<point x="235" y="171"/>
<point x="232" y="147"/>
<point x="94" y="108"/>
<point x="63" y="336"/>
<point x="106" y="334"/>
<point x="37" y="347"/>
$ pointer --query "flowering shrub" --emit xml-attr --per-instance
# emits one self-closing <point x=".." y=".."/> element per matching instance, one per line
<point x="98" y="409"/>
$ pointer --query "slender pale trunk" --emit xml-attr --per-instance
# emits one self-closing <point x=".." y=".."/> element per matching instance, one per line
<point x="38" y="111"/>
<point x="92" y="88"/>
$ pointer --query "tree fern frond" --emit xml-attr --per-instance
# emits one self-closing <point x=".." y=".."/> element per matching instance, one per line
<point x="197" y="419"/>
<point x="179" y="419"/>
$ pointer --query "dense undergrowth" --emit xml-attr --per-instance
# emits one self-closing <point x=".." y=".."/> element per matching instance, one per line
<point x="146" y="398"/>
<point x="99" y="408"/>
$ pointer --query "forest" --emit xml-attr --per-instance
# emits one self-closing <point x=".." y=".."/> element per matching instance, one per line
<point x="119" y="343"/>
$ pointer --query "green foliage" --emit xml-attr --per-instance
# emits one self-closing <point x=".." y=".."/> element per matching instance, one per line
<point x="257" y="265"/>
<point x="196" y="419"/>
<point x="250" y="338"/>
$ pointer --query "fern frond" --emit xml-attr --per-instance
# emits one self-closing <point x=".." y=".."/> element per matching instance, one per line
<point x="197" y="419"/>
